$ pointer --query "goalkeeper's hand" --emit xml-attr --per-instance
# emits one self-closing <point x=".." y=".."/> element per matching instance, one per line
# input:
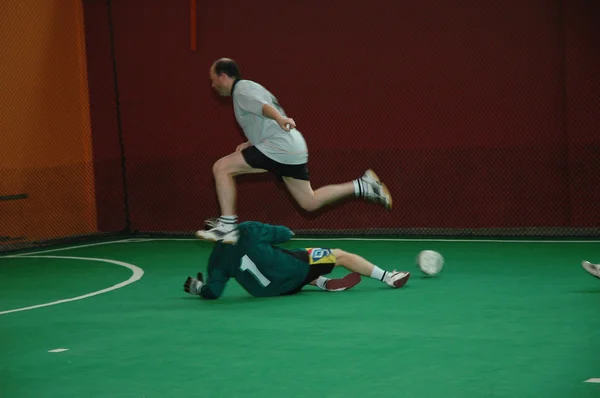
<point x="193" y="285"/>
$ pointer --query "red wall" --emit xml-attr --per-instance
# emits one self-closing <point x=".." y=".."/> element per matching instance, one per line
<point x="110" y="196"/>
<point x="582" y="53"/>
<point x="461" y="108"/>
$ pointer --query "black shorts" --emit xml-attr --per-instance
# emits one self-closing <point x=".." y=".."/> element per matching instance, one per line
<point x="320" y="262"/>
<point x="257" y="160"/>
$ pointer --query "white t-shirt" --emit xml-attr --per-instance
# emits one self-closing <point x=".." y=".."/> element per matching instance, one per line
<point x="264" y="133"/>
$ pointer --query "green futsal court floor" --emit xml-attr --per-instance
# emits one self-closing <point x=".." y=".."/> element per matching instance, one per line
<point x="503" y="319"/>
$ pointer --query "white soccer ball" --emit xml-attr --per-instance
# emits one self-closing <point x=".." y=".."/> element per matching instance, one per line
<point x="430" y="262"/>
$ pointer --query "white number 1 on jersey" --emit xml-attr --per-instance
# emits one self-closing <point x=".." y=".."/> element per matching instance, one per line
<point x="248" y="265"/>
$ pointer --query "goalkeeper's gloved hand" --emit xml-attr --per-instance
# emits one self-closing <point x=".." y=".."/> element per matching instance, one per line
<point x="192" y="285"/>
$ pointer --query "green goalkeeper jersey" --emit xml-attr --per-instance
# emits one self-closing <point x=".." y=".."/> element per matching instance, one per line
<point x="262" y="269"/>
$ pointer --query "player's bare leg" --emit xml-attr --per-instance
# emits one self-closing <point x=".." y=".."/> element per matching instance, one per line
<point x="311" y="200"/>
<point x="368" y="187"/>
<point x="356" y="263"/>
<point x="224" y="171"/>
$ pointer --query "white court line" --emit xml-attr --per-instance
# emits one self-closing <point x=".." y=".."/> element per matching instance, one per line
<point x="593" y="380"/>
<point x="59" y="350"/>
<point x="136" y="240"/>
<point x="458" y="240"/>
<point x="137" y="274"/>
<point x="404" y="240"/>
<point x="68" y="248"/>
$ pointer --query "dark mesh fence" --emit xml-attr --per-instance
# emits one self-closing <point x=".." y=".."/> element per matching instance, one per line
<point x="482" y="118"/>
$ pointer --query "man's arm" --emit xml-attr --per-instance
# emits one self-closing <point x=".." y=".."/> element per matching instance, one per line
<point x="285" y="123"/>
<point x="250" y="101"/>
<point x="215" y="283"/>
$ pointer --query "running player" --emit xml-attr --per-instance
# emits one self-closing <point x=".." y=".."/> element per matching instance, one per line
<point x="274" y="145"/>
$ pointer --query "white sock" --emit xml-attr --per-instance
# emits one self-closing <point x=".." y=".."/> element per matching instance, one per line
<point x="359" y="188"/>
<point x="379" y="274"/>
<point x="229" y="221"/>
<point x="321" y="282"/>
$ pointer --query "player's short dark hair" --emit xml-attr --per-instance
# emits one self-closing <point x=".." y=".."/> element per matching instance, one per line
<point x="227" y="66"/>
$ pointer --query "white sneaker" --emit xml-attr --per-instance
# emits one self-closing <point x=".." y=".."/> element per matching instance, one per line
<point x="220" y="233"/>
<point x="371" y="177"/>
<point x="211" y="222"/>
<point x="593" y="269"/>
<point x="397" y="279"/>
<point x="375" y="190"/>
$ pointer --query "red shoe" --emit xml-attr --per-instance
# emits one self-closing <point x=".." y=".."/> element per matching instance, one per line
<point x="345" y="283"/>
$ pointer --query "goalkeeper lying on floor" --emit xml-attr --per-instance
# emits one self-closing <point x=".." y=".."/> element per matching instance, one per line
<point x="265" y="270"/>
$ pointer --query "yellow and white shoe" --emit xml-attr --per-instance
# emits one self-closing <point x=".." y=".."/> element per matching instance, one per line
<point x="375" y="190"/>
